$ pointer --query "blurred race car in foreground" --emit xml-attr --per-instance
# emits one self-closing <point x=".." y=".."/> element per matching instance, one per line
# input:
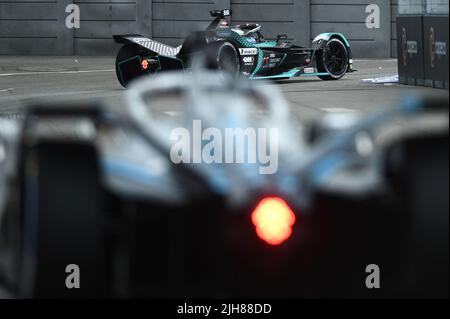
<point x="104" y="194"/>
<point x="236" y="50"/>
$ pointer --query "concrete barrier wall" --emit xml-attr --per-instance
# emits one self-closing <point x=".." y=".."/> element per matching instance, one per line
<point x="349" y="18"/>
<point x="38" y="27"/>
<point x="173" y="20"/>
<point x="100" y="19"/>
<point x="28" y="27"/>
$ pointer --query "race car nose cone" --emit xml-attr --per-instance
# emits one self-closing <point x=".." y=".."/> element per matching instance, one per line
<point x="273" y="220"/>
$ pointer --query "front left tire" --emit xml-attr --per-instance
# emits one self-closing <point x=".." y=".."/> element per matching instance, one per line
<point x="334" y="60"/>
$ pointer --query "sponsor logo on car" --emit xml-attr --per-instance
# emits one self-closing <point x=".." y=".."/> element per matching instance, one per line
<point x="308" y="70"/>
<point x="248" y="51"/>
<point x="276" y="60"/>
<point x="248" y="59"/>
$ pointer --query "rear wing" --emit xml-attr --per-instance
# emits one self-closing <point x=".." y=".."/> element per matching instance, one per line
<point x="149" y="44"/>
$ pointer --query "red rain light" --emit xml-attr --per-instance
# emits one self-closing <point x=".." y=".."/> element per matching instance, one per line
<point x="144" y="64"/>
<point x="273" y="219"/>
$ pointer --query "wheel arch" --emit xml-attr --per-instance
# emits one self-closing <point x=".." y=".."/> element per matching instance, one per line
<point x="320" y="42"/>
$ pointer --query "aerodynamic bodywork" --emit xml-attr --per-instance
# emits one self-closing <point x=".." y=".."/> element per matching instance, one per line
<point x="238" y="50"/>
<point x="101" y="189"/>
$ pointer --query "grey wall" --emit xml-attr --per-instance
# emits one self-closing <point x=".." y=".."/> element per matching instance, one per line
<point x="173" y="20"/>
<point x="100" y="19"/>
<point x="288" y="17"/>
<point x="38" y="27"/>
<point x="349" y="18"/>
<point x="28" y="27"/>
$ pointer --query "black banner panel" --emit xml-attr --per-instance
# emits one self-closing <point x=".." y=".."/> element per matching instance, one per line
<point x="435" y="36"/>
<point x="410" y="50"/>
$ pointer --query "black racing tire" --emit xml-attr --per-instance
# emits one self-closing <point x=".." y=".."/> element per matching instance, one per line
<point x="225" y="59"/>
<point x="126" y="52"/>
<point x="61" y="223"/>
<point x="334" y="60"/>
<point x="417" y="171"/>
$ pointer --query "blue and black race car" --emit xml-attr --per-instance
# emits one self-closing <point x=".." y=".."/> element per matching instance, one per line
<point x="237" y="50"/>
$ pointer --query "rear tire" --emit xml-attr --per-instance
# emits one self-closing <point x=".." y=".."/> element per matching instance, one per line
<point x="225" y="59"/>
<point x="61" y="223"/>
<point x="334" y="60"/>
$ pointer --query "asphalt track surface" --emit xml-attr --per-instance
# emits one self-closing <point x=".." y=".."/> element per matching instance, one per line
<point x="24" y="80"/>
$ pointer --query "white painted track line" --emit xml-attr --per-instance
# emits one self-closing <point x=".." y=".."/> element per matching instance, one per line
<point x="56" y="72"/>
<point x="338" y="110"/>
